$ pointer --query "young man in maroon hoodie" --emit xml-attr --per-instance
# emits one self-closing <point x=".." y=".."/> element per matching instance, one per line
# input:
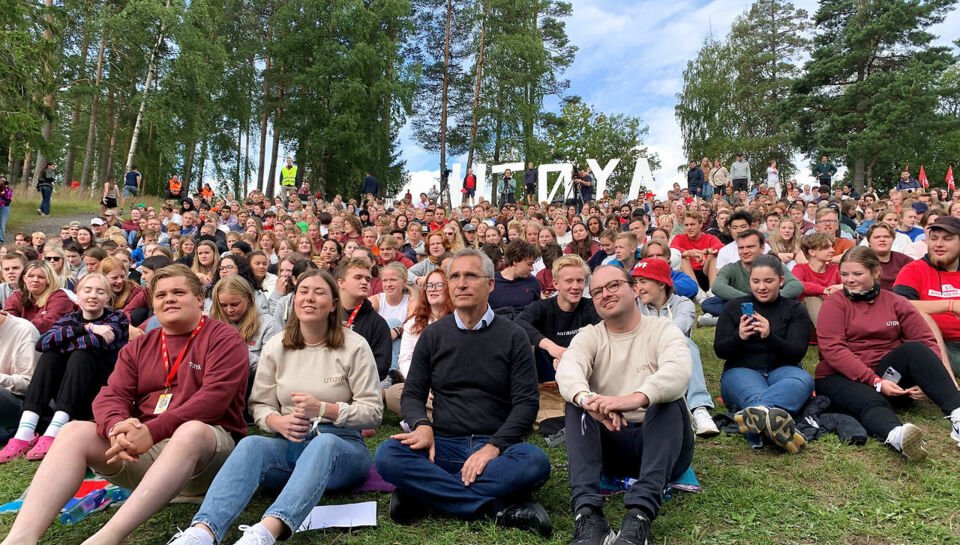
<point x="164" y="423"/>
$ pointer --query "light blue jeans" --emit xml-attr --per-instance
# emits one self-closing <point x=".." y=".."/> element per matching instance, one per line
<point x="334" y="459"/>
<point x="788" y="387"/>
<point x="697" y="394"/>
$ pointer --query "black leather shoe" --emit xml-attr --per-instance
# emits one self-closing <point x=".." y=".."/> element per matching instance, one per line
<point x="526" y="516"/>
<point x="635" y="530"/>
<point x="402" y="510"/>
<point x="590" y="528"/>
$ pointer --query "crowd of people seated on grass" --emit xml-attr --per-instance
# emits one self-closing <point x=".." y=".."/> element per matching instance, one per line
<point x="147" y="347"/>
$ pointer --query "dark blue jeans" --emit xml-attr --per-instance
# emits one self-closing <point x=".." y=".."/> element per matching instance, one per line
<point x="518" y="471"/>
<point x="46" y="191"/>
<point x="713" y="305"/>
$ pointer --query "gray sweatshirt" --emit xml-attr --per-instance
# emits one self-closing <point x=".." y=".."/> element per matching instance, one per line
<point x="740" y="170"/>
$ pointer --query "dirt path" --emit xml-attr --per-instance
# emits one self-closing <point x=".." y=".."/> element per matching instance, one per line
<point x="51" y="224"/>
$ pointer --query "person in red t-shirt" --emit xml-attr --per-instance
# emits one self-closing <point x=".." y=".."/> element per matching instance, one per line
<point x="932" y="284"/>
<point x="698" y="250"/>
<point x="469" y="186"/>
<point x="819" y="275"/>
<point x="157" y="423"/>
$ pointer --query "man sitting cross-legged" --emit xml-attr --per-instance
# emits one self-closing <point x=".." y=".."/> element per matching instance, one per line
<point x="470" y="461"/>
<point x="624" y="381"/>
<point x="164" y="423"/>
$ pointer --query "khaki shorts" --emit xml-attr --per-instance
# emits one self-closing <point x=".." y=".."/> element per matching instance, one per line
<point x="132" y="473"/>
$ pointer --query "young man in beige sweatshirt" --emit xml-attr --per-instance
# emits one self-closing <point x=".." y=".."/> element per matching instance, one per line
<point x="624" y="382"/>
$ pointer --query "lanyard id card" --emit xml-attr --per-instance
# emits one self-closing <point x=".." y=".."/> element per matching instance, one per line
<point x="163" y="403"/>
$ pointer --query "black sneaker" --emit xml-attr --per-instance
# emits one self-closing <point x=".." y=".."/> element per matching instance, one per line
<point x="590" y="528"/>
<point x="402" y="509"/>
<point x="526" y="516"/>
<point x="752" y="420"/>
<point x="782" y="430"/>
<point x="635" y="530"/>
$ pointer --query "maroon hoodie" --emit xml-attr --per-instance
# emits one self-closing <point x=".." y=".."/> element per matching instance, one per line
<point x="855" y="336"/>
<point x="209" y="387"/>
<point x="58" y="305"/>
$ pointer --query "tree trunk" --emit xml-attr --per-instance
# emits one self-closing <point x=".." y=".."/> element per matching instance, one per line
<point x="271" y="181"/>
<point x="869" y="180"/>
<point x="188" y="166"/>
<point x="476" y="85"/>
<point x="498" y="131"/>
<point x="238" y="179"/>
<point x="94" y="103"/>
<point x="278" y="115"/>
<point x="203" y="165"/>
<point x="858" y="173"/>
<point x="27" y="158"/>
<point x="265" y="114"/>
<point x="113" y="112"/>
<point x="48" y="100"/>
<point x="246" y="161"/>
<point x="151" y="68"/>
<point x="75" y="117"/>
<point x="11" y="156"/>
<point x="444" y="182"/>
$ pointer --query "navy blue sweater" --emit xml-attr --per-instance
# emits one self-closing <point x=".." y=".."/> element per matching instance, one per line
<point x="483" y="381"/>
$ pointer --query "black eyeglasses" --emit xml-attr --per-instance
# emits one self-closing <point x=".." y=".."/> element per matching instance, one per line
<point x="53" y="259"/>
<point x="612" y="287"/>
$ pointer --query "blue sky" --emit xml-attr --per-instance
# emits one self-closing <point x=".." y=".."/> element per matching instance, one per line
<point x="630" y="59"/>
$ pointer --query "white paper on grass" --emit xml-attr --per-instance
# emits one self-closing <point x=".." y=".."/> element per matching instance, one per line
<point x="350" y="515"/>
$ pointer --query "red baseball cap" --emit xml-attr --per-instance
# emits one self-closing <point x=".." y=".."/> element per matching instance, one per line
<point x="654" y="269"/>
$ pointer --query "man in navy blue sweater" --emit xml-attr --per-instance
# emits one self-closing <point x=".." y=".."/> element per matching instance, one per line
<point x="470" y="461"/>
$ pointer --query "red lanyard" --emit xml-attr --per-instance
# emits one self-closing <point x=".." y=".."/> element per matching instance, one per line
<point x="172" y="371"/>
<point x="353" y="316"/>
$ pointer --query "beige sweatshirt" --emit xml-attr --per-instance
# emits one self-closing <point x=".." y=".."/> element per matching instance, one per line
<point x="653" y="359"/>
<point x="18" y="355"/>
<point x="346" y="376"/>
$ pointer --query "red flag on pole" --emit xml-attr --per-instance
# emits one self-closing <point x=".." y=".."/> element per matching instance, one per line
<point x="922" y="177"/>
<point x="950" y="181"/>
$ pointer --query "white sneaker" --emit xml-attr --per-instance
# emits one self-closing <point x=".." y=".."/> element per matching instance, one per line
<point x="255" y="535"/>
<point x="908" y="441"/>
<point x="191" y="536"/>
<point x="955" y="432"/>
<point x="707" y="320"/>
<point x="703" y="424"/>
<point x="700" y="297"/>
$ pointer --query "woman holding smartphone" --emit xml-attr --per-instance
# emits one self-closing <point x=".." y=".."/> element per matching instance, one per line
<point x="877" y="353"/>
<point x="763" y="338"/>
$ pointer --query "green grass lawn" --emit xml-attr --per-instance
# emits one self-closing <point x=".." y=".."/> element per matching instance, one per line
<point x="830" y="493"/>
<point x="63" y="204"/>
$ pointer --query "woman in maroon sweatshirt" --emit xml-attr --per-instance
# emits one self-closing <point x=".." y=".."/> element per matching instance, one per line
<point x="877" y="352"/>
<point x="164" y="423"/>
<point x="38" y="297"/>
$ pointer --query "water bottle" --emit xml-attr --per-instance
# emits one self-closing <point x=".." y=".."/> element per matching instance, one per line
<point x="115" y="494"/>
<point x="88" y="504"/>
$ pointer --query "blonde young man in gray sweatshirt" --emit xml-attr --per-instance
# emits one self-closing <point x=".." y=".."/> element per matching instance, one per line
<point x="624" y="382"/>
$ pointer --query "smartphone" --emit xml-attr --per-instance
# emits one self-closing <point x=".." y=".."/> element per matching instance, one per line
<point x="892" y="375"/>
<point x="747" y="309"/>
